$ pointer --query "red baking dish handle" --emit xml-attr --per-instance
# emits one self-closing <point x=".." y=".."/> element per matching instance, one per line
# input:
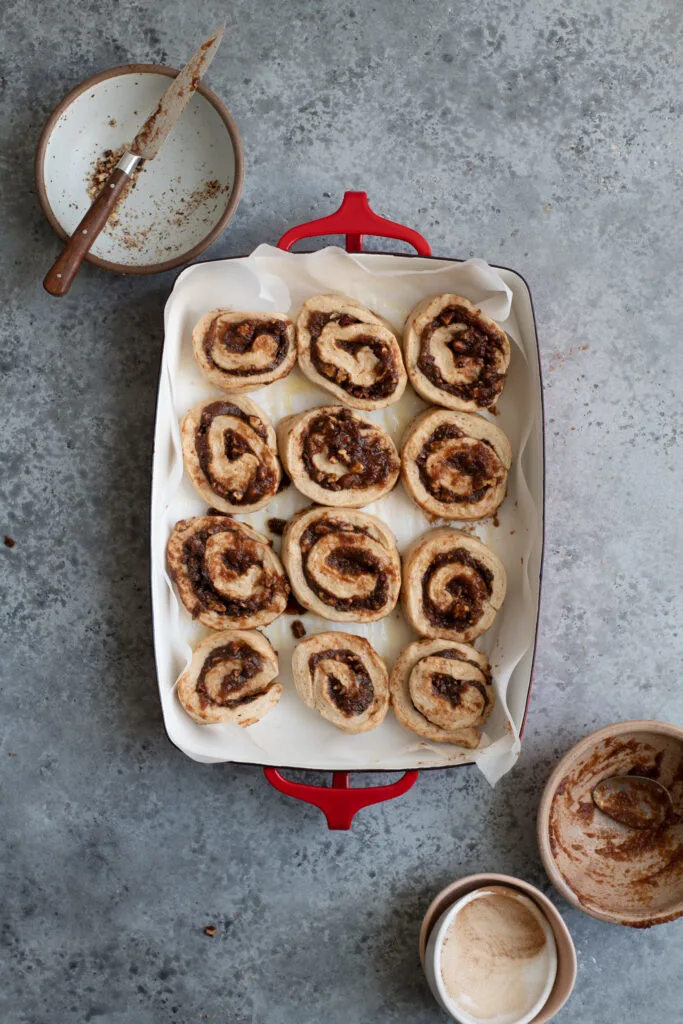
<point x="338" y="802"/>
<point x="354" y="218"/>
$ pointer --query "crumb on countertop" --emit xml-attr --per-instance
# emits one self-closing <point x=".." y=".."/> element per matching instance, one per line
<point x="210" y="930"/>
<point x="10" y="542"/>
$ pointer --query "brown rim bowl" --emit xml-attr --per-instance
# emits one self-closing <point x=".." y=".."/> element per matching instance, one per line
<point x="93" y="132"/>
<point x="615" y="873"/>
<point x="566" y="953"/>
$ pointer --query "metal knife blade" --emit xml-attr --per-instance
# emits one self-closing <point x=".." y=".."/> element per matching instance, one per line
<point x="154" y="131"/>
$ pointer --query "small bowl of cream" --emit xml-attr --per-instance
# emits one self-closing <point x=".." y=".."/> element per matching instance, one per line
<point x="493" y="954"/>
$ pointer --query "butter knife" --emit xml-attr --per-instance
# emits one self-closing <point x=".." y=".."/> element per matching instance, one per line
<point x="144" y="146"/>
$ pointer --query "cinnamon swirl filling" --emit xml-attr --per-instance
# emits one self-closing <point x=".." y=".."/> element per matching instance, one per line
<point x="456" y="356"/>
<point x="348" y="350"/>
<point x="226" y="574"/>
<point x="342" y="564"/>
<point x="240" y="352"/>
<point x="453" y="585"/>
<point x="230" y="454"/>
<point x="342" y="677"/>
<point x="231" y="678"/>
<point x="336" y="457"/>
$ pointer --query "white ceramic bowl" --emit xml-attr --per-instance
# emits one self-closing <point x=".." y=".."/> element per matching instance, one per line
<point x="435" y="945"/>
<point x="183" y="199"/>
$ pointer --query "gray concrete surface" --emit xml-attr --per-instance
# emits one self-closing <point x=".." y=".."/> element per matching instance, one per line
<point x="545" y="136"/>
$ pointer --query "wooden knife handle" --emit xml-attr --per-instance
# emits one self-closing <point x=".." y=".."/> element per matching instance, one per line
<point x="61" y="275"/>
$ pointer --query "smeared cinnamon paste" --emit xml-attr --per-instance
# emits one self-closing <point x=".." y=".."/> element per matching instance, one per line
<point x="610" y="867"/>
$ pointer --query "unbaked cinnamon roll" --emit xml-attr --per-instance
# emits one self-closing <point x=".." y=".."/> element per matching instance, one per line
<point x="226" y="574"/>
<point x="455" y="355"/>
<point x="453" y="585"/>
<point x="455" y="464"/>
<point x="231" y="678"/>
<point x="342" y="564"/>
<point x="336" y="457"/>
<point x="348" y="350"/>
<point x="230" y="454"/>
<point x="343" y="678"/>
<point x="240" y="352"/>
<point x="442" y="691"/>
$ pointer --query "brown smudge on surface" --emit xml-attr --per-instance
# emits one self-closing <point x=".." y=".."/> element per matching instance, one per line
<point x="171" y="209"/>
<point x="10" y="542"/>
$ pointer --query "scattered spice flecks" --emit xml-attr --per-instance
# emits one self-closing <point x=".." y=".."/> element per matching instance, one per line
<point x="10" y="542"/>
<point x="196" y="199"/>
<point x="558" y="359"/>
<point x="169" y="208"/>
<point x="210" y="930"/>
<point x="112" y="122"/>
<point x="134" y="241"/>
<point x="298" y="629"/>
